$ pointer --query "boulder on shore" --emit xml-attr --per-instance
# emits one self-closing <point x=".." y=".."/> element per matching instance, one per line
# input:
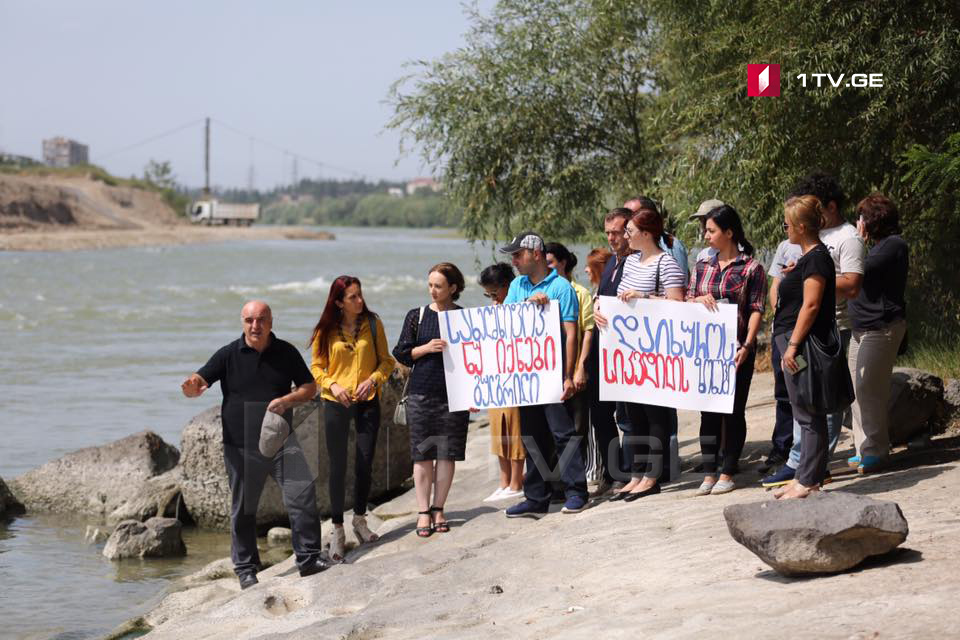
<point x="159" y="496"/>
<point x="827" y="532"/>
<point x="9" y="505"/>
<point x="951" y="397"/>
<point x="96" y="480"/>
<point x="155" y="538"/>
<point x="916" y="403"/>
<point x="206" y="489"/>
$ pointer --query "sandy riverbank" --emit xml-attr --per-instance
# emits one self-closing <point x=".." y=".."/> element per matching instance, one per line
<point x="664" y="566"/>
<point x="77" y="239"/>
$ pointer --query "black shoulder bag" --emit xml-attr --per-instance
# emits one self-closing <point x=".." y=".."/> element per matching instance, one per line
<point x="824" y="386"/>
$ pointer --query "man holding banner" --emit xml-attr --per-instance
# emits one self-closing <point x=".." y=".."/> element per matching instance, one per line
<point x="548" y="427"/>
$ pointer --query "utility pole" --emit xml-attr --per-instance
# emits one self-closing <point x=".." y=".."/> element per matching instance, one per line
<point x="206" y="160"/>
<point x="296" y="178"/>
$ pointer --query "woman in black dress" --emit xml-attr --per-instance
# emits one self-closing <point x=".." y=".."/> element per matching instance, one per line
<point x="438" y="437"/>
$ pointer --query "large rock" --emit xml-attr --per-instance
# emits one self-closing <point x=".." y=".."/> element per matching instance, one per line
<point x="155" y="538"/>
<point x="951" y="397"/>
<point x="206" y="490"/>
<point x="9" y="505"/>
<point x="158" y="496"/>
<point x="916" y="403"/>
<point x="96" y="480"/>
<point x="825" y="533"/>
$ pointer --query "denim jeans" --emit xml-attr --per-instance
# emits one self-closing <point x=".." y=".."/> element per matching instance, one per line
<point x="834" y="420"/>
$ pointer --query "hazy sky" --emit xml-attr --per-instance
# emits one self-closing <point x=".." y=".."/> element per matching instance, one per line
<point x="311" y="77"/>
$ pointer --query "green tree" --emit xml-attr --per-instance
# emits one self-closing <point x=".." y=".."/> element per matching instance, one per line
<point x="160" y="174"/>
<point x="717" y="141"/>
<point x="540" y="117"/>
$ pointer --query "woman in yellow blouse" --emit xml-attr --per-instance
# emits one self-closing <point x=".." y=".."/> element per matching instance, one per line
<point x="349" y="364"/>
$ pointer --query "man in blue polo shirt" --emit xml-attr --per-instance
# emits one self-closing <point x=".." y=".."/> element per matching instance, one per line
<point x="548" y="427"/>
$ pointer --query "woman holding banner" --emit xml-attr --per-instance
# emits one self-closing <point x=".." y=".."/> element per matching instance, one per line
<point x="438" y="437"/>
<point x="350" y="361"/>
<point x="731" y="276"/>
<point x="648" y="272"/>
<point x="505" y="442"/>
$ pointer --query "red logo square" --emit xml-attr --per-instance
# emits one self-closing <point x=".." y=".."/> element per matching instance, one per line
<point x="763" y="80"/>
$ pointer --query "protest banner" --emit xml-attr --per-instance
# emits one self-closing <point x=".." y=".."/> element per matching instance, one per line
<point x="507" y="355"/>
<point x="668" y="353"/>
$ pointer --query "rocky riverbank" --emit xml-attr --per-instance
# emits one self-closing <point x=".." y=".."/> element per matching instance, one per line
<point x="665" y="566"/>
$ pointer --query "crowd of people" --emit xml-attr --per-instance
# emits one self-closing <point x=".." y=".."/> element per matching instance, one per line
<point x="838" y="323"/>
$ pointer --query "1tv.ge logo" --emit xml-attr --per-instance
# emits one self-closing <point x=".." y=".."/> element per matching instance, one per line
<point x="763" y="80"/>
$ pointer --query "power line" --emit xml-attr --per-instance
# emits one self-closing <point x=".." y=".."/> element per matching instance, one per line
<point x="283" y="149"/>
<point x="151" y="139"/>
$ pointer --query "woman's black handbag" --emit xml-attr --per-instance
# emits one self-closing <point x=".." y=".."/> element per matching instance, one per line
<point x="824" y="386"/>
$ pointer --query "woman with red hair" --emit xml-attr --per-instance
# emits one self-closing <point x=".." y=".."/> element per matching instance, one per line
<point x="351" y="360"/>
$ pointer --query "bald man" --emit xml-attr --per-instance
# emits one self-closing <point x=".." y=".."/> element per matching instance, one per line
<point x="258" y="372"/>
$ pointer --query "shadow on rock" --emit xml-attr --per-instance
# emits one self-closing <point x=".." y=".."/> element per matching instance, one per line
<point x="897" y="556"/>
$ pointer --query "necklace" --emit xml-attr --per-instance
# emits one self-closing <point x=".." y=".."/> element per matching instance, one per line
<point x="356" y="335"/>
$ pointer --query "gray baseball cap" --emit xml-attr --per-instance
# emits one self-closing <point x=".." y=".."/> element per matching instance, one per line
<point x="524" y="240"/>
<point x="273" y="433"/>
<point x="706" y="207"/>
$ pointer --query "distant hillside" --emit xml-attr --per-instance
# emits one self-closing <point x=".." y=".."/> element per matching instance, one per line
<point x="36" y="199"/>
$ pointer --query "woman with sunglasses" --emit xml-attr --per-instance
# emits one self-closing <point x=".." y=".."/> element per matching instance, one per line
<point x="351" y="360"/>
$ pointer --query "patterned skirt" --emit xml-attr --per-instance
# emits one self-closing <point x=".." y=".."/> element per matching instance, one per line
<point x="435" y="432"/>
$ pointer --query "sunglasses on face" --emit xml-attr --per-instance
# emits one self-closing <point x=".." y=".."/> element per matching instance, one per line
<point x="786" y="226"/>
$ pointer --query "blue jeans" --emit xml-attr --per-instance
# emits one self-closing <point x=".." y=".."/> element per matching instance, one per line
<point x="548" y="429"/>
<point x="834" y="420"/>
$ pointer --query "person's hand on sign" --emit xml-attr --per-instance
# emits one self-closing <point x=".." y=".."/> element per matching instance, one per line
<point x="435" y="346"/>
<point x="341" y="394"/>
<point x="708" y="301"/>
<point x="363" y="390"/>
<point x="630" y="294"/>
<point x="568" y="389"/>
<point x="599" y="319"/>
<point x="539" y="298"/>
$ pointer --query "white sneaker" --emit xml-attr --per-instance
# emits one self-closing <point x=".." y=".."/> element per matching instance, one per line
<point x="496" y="495"/>
<point x="510" y="494"/>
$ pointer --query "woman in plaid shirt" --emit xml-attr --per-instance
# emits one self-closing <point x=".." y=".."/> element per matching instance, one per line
<point x="731" y="276"/>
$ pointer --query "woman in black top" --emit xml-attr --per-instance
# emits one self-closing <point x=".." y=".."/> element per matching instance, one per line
<point x="438" y="437"/>
<point x="805" y="306"/>
<point x="878" y="319"/>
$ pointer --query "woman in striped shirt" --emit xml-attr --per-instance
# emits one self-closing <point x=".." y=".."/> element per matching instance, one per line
<point x="648" y="272"/>
<point x="733" y="276"/>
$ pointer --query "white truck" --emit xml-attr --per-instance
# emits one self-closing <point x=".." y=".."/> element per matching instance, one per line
<point x="211" y="212"/>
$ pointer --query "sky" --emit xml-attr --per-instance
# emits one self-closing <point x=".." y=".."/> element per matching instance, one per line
<point x="308" y="77"/>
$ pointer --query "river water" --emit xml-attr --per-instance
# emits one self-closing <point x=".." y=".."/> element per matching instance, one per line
<point x="95" y="345"/>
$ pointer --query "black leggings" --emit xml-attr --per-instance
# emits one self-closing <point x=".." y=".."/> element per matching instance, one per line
<point x="336" y="418"/>
<point x="728" y="431"/>
<point x="649" y="439"/>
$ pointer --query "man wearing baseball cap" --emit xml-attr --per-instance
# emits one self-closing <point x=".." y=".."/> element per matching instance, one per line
<point x="548" y="427"/>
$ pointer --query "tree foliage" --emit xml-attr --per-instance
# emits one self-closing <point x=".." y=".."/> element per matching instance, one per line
<point x="539" y="116"/>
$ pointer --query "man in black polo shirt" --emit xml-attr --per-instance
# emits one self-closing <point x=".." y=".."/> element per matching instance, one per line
<point x="256" y="373"/>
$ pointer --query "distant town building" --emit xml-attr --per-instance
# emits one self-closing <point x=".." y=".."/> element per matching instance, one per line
<point x="396" y="192"/>
<point x="63" y="152"/>
<point x="422" y="183"/>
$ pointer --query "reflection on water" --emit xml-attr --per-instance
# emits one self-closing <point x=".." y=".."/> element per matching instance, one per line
<point x="56" y="585"/>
